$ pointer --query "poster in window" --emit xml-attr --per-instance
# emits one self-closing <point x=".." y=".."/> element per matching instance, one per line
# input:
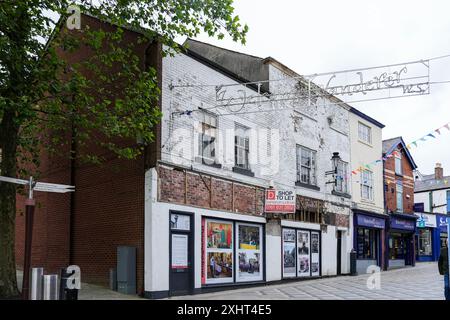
<point x="219" y="235"/>
<point x="180" y="222"/>
<point x="303" y="254"/>
<point x="289" y="254"/>
<point x="219" y="255"/>
<point x="249" y="255"/>
<point x="179" y="251"/>
<point x="220" y="265"/>
<point x="315" y="254"/>
<point x="249" y="237"/>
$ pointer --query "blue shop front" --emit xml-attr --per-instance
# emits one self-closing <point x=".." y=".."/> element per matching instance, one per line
<point x="401" y="239"/>
<point x="428" y="237"/>
<point x="442" y="220"/>
<point x="369" y="239"/>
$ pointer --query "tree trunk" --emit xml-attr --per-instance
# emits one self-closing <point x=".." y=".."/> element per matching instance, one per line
<point x="8" y="166"/>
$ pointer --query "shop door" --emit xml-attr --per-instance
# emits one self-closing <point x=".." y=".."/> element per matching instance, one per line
<point x="339" y="252"/>
<point x="181" y="266"/>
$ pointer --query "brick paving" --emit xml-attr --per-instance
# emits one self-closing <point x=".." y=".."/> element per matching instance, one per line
<point x="421" y="282"/>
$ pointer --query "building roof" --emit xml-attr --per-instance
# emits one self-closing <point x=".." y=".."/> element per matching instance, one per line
<point x="366" y="117"/>
<point x="390" y="145"/>
<point x="431" y="184"/>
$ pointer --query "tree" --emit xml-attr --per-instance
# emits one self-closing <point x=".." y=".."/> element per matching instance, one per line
<point x="39" y="89"/>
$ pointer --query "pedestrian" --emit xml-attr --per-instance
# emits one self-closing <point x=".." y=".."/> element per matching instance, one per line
<point x="443" y="269"/>
<point x="212" y="265"/>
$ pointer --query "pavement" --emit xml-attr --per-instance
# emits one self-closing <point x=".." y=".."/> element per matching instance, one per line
<point x="421" y="282"/>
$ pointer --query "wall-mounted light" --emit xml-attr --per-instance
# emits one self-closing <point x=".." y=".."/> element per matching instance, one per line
<point x="335" y="159"/>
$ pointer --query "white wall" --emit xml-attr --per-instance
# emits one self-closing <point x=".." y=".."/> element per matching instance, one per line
<point x="362" y="154"/>
<point x="439" y="199"/>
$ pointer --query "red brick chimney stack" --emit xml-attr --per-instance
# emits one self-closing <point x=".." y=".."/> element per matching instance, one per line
<point x="438" y="172"/>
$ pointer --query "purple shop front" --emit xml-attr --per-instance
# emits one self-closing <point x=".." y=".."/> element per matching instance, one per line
<point x="401" y="240"/>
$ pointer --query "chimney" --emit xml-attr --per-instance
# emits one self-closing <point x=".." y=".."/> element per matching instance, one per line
<point x="439" y="172"/>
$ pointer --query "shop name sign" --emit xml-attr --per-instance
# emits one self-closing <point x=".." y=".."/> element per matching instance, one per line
<point x="426" y="220"/>
<point x="279" y="201"/>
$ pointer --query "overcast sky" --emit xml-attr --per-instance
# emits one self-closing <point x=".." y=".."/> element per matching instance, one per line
<point x="324" y="35"/>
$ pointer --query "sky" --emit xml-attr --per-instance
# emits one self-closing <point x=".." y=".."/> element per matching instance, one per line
<point x="324" y="36"/>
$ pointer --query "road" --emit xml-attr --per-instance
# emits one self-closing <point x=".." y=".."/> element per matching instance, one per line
<point x="421" y="282"/>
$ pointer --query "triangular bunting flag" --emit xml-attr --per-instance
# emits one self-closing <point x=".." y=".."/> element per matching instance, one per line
<point x="431" y="135"/>
<point x="447" y="126"/>
<point x="438" y="131"/>
<point x="415" y="143"/>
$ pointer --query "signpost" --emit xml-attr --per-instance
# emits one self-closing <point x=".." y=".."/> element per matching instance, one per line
<point x="29" y="213"/>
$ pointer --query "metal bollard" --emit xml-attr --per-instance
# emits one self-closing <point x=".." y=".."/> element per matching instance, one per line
<point x="36" y="283"/>
<point x="50" y="286"/>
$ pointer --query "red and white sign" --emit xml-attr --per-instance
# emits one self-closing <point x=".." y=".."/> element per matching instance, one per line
<point x="280" y="201"/>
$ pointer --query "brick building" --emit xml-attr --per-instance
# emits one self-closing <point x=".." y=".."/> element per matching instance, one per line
<point x="193" y="204"/>
<point x="399" y="202"/>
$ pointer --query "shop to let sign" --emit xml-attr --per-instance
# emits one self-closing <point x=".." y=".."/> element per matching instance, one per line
<point x="280" y="201"/>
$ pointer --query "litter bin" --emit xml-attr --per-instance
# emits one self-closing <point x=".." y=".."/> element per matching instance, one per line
<point x="353" y="263"/>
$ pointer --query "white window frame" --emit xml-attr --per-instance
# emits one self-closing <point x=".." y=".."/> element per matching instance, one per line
<point x="306" y="170"/>
<point x="207" y="133"/>
<point x="341" y="182"/>
<point x="242" y="147"/>
<point x="398" y="164"/>
<point x="399" y="191"/>
<point x="367" y="184"/>
<point x="364" y="133"/>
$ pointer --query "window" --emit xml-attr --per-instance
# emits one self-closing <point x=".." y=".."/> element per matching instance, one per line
<point x="207" y="137"/>
<point x="398" y="163"/>
<point x="241" y="147"/>
<point x="367" y="243"/>
<point x="364" y="133"/>
<point x="424" y="242"/>
<point x="306" y="166"/>
<point x="448" y="201"/>
<point x="399" y="197"/>
<point x="367" y="185"/>
<point x="341" y="181"/>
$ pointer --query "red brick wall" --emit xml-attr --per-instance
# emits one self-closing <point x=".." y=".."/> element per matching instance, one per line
<point x="108" y="206"/>
<point x="407" y="180"/>
<point x="177" y="186"/>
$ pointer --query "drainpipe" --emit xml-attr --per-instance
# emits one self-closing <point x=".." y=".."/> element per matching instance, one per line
<point x="386" y="229"/>
<point x="73" y="154"/>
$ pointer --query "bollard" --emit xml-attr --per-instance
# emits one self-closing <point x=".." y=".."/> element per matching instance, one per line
<point x="36" y="283"/>
<point x="68" y="287"/>
<point x="50" y="286"/>
<point x="353" y="271"/>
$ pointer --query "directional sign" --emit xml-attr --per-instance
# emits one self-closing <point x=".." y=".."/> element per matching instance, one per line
<point x="40" y="186"/>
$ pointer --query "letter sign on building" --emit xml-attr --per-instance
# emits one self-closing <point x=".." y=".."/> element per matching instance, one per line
<point x="279" y="201"/>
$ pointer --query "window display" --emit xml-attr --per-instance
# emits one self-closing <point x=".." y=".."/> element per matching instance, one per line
<point x="425" y="248"/>
<point x="367" y="240"/>
<point x="301" y="253"/>
<point x="219" y="251"/>
<point x="249" y="252"/>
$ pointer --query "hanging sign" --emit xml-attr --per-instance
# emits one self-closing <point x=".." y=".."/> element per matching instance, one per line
<point x="279" y="201"/>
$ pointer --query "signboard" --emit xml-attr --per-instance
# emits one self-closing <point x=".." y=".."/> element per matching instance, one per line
<point x="442" y="221"/>
<point x="371" y="222"/>
<point x="426" y="220"/>
<point x="279" y="201"/>
<point x="179" y="251"/>
<point x="402" y="224"/>
<point x="419" y="207"/>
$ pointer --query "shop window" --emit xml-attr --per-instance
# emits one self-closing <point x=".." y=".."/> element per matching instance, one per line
<point x="397" y="246"/>
<point x="249" y="252"/>
<point x="425" y="248"/>
<point x="367" y="185"/>
<point x="242" y="147"/>
<point x="364" y="133"/>
<point x="367" y="243"/>
<point x="301" y="253"/>
<point x="207" y="137"/>
<point x="399" y="197"/>
<point x="306" y="166"/>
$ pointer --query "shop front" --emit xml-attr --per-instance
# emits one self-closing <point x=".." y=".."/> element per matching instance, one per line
<point x="401" y="248"/>
<point x="427" y="237"/>
<point x="441" y="221"/>
<point x="369" y="237"/>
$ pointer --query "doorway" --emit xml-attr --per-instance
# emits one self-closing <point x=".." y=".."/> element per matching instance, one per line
<point x="181" y="258"/>
<point x="339" y="253"/>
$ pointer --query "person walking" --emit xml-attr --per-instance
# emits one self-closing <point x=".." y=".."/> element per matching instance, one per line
<point x="443" y="269"/>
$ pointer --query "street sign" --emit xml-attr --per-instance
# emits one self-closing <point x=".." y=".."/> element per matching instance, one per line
<point x="40" y="186"/>
<point x="279" y="201"/>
